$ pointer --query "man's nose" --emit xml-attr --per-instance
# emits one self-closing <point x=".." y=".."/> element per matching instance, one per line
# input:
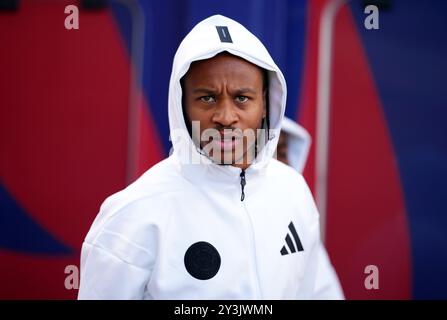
<point x="225" y="113"/>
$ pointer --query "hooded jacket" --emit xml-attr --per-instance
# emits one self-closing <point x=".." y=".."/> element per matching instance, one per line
<point x="298" y="143"/>
<point x="181" y="231"/>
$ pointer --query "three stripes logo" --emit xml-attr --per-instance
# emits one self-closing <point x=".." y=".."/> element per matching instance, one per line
<point x="293" y="247"/>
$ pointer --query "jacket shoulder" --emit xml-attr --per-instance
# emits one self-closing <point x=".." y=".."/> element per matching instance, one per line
<point x="286" y="173"/>
<point x="287" y="178"/>
<point x="140" y="204"/>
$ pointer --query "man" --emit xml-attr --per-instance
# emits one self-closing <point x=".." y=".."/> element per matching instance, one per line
<point x="293" y="144"/>
<point x="216" y="219"/>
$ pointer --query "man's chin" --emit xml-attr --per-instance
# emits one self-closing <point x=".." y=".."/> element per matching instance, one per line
<point x="227" y="158"/>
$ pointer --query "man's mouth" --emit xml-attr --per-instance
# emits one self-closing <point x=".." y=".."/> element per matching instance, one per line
<point x="227" y="142"/>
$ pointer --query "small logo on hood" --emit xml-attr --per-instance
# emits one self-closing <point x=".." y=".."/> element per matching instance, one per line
<point x="224" y="34"/>
<point x="289" y="242"/>
<point x="202" y="260"/>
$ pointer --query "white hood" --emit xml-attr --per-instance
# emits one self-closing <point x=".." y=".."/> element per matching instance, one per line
<point x="203" y="42"/>
<point x="298" y="144"/>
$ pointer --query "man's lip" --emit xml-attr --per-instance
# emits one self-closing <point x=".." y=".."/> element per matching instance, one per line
<point x="228" y="138"/>
<point x="227" y="144"/>
<point x="230" y="133"/>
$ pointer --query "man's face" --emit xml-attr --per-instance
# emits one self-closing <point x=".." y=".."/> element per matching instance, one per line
<point x="225" y="93"/>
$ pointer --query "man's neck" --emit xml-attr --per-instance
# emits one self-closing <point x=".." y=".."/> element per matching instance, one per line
<point x="248" y="158"/>
<point x="242" y="166"/>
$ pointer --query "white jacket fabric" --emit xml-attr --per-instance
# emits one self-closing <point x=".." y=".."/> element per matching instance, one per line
<point x="298" y="143"/>
<point x="181" y="230"/>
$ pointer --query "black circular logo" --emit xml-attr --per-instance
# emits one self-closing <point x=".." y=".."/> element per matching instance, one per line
<point x="202" y="260"/>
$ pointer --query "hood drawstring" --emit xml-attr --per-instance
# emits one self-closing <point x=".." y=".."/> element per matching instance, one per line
<point x="243" y="183"/>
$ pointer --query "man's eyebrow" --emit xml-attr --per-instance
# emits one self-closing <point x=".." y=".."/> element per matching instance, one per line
<point x="204" y="90"/>
<point x="237" y="91"/>
<point x="245" y="90"/>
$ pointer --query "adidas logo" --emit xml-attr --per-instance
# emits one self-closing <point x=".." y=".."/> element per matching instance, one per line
<point x="292" y="247"/>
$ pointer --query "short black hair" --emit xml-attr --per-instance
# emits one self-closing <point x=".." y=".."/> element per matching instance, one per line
<point x="266" y="90"/>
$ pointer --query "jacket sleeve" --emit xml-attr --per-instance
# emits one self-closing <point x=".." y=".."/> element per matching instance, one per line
<point x="321" y="281"/>
<point x="113" y="268"/>
<point x="327" y="285"/>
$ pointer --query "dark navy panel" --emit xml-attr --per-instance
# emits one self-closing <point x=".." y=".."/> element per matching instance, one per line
<point x="19" y="232"/>
<point x="122" y="14"/>
<point x="294" y="64"/>
<point x="164" y="29"/>
<point x="408" y="59"/>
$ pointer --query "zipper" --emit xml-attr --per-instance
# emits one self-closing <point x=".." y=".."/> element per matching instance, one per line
<point x="243" y="183"/>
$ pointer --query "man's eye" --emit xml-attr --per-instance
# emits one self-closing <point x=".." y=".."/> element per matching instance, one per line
<point x="242" y="99"/>
<point x="207" y="99"/>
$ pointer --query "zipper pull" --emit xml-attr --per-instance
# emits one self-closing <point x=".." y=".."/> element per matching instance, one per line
<point x="243" y="183"/>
